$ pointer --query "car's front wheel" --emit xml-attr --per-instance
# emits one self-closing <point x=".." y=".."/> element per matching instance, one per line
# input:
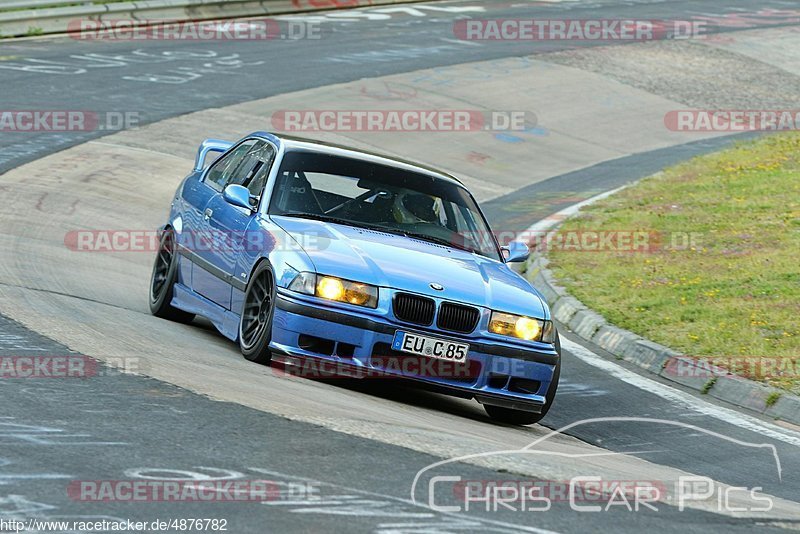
<point x="255" y="324"/>
<point x="162" y="280"/>
<point x="521" y="417"/>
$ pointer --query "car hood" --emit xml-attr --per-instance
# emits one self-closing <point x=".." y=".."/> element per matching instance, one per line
<point x="398" y="262"/>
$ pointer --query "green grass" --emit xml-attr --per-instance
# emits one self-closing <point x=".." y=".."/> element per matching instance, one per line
<point x="708" y="385"/>
<point x="773" y="398"/>
<point x="736" y="292"/>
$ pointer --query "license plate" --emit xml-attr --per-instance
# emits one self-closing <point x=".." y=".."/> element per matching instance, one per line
<point x="430" y="346"/>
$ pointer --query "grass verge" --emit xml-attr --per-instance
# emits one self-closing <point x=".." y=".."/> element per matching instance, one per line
<point x="721" y="276"/>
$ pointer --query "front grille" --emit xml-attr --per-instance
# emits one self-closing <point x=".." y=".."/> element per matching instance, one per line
<point x="457" y="318"/>
<point x="414" y="309"/>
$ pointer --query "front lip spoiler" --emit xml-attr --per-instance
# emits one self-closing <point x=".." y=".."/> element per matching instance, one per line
<point x="327" y="314"/>
<point x="482" y="397"/>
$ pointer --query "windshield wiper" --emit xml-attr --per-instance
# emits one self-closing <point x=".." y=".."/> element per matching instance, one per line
<point x="438" y="241"/>
<point x="387" y="229"/>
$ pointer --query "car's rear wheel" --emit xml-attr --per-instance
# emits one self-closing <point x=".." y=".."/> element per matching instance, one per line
<point x="521" y="417"/>
<point x="255" y="324"/>
<point x="162" y="280"/>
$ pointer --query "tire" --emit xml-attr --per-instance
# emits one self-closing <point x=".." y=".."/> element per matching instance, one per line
<point x="255" y="323"/>
<point x="521" y="417"/>
<point x="162" y="281"/>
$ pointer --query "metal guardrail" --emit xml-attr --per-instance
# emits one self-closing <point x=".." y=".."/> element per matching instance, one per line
<point x="58" y="15"/>
<point x="36" y="4"/>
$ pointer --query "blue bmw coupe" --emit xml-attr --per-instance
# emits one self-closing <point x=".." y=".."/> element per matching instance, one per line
<point x="303" y="251"/>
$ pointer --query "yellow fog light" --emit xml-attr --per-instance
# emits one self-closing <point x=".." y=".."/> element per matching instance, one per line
<point x="527" y="328"/>
<point x="330" y="288"/>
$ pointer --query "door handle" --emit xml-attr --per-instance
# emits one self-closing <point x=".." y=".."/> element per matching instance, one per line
<point x="207" y="214"/>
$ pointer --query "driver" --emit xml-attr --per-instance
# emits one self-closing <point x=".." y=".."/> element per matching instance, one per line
<point x="410" y="207"/>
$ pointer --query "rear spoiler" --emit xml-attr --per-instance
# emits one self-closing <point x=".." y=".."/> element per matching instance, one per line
<point x="209" y="145"/>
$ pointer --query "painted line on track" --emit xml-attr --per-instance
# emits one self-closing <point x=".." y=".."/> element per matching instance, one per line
<point x="680" y="398"/>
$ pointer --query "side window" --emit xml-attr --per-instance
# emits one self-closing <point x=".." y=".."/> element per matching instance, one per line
<point x="259" y="179"/>
<point x="220" y="172"/>
<point x="254" y="169"/>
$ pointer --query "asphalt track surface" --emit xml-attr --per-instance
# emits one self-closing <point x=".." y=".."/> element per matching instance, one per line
<point x="121" y="426"/>
<point x="106" y="76"/>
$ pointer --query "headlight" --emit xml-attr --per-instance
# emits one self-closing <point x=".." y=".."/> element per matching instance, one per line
<point x="522" y="327"/>
<point x="332" y="288"/>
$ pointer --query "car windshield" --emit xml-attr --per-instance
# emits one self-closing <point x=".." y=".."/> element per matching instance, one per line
<point x="366" y="194"/>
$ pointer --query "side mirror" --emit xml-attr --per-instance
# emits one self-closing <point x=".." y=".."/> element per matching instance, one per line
<point x="238" y="195"/>
<point x="515" y="251"/>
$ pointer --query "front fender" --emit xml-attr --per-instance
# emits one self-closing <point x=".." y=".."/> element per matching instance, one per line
<point x="269" y="241"/>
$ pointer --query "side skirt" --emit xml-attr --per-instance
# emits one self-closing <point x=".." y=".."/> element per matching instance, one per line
<point x="224" y="320"/>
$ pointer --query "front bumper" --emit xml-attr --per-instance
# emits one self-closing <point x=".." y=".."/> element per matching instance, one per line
<point x="353" y="344"/>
